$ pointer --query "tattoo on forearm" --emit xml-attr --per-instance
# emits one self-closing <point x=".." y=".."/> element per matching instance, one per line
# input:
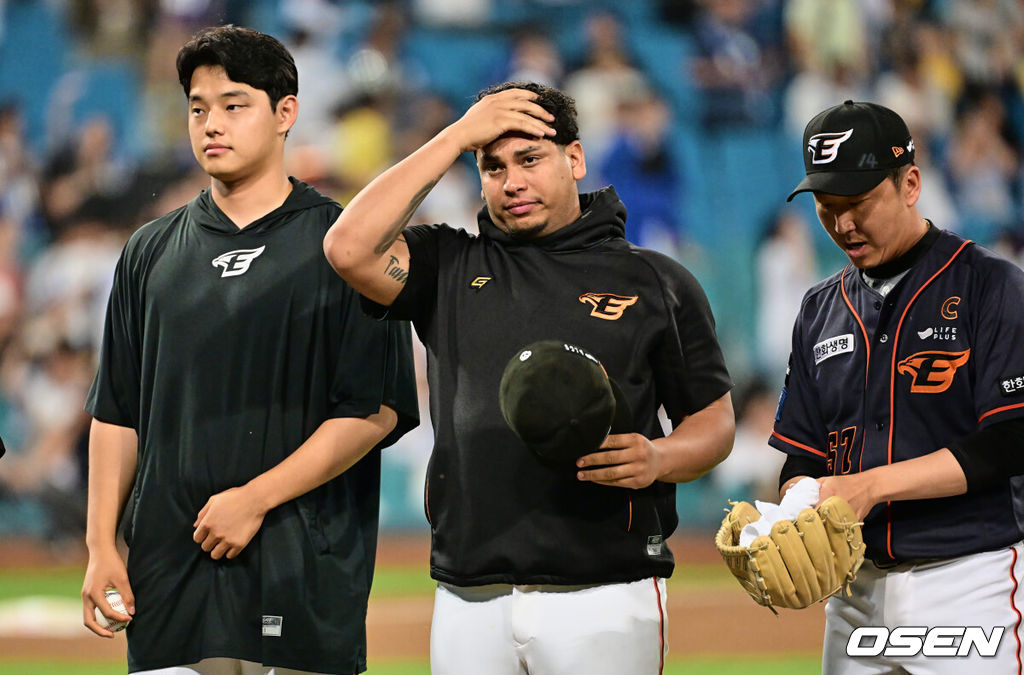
<point x="396" y="272"/>
<point x="391" y="236"/>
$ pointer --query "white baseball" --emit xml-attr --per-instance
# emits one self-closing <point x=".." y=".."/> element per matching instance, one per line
<point x="115" y="601"/>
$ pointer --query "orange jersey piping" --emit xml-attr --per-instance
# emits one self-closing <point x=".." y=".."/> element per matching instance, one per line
<point x="892" y="380"/>
<point x="799" y="445"/>
<point x="999" y="410"/>
<point x="867" y="361"/>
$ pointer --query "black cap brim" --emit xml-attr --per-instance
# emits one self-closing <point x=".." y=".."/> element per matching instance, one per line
<point x="843" y="183"/>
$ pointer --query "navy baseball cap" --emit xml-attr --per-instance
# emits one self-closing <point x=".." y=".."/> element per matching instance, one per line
<point x="559" y="400"/>
<point x="850" y="148"/>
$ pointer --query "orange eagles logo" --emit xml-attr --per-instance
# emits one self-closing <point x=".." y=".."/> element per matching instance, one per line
<point x="932" y="372"/>
<point x="608" y="306"/>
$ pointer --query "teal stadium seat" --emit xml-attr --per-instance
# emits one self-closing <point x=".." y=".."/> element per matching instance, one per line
<point x="33" y="54"/>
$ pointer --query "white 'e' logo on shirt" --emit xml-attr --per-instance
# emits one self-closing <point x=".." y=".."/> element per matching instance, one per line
<point x="237" y="262"/>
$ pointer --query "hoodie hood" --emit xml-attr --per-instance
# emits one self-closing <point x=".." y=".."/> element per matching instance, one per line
<point x="204" y="211"/>
<point x="603" y="216"/>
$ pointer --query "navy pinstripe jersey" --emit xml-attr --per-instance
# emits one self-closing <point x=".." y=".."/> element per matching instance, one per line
<point x="875" y="380"/>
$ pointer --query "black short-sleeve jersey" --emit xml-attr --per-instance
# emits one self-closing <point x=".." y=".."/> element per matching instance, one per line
<point x="226" y="349"/>
<point x="497" y="514"/>
<point x="875" y="380"/>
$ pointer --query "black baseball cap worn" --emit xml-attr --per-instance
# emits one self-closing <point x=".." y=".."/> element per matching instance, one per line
<point x="850" y="148"/>
<point x="559" y="400"/>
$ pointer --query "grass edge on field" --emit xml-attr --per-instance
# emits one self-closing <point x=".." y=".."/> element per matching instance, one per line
<point x="774" y="664"/>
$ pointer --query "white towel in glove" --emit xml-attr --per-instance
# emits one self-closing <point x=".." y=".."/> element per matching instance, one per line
<point x="799" y="497"/>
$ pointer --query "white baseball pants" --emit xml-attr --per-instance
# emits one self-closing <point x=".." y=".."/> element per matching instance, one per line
<point x="503" y="629"/>
<point x="931" y="602"/>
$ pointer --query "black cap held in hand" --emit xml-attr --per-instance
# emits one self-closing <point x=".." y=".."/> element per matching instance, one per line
<point x="850" y="148"/>
<point x="559" y="400"/>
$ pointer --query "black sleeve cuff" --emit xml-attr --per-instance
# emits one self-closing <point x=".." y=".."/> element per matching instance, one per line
<point x="991" y="455"/>
<point x="801" y="466"/>
<point x="372" y="309"/>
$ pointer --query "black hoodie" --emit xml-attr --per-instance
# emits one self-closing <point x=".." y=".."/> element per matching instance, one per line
<point x="497" y="514"/>
<point x="225" y="348"/>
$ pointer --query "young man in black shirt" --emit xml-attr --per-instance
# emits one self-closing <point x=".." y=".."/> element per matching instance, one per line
<point x="240" y="397"/>
<point x="541" y="569"/>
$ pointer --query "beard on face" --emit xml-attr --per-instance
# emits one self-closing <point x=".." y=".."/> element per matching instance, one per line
<point x="524" y="233"/>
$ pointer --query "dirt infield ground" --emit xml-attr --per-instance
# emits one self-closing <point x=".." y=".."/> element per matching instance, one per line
<point x="702" y="622"/>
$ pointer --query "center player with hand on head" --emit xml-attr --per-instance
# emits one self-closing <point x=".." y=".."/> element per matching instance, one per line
<point x="904" y="397"/>
<point x="240" y="396"/>
<point x="541" y="569"/>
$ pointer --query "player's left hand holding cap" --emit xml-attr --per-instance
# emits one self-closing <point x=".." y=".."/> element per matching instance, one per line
<point x="558" y="398"/>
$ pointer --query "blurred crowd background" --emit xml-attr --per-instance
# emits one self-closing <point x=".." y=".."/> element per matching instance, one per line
<point x="693" y="109"/>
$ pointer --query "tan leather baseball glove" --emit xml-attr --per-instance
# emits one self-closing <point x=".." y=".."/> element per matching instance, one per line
<point x="802" y="562"/>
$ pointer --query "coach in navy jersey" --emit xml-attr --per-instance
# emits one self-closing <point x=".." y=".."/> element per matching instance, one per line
<point x="240" y="395"/>
<point x="904" y="396"/>
<point x="541" y="569"/>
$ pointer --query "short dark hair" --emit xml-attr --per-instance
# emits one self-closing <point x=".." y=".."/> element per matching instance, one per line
<point x="556" y="102"/>
<point x="896" y="175"/>
<point x="247" y="56"/>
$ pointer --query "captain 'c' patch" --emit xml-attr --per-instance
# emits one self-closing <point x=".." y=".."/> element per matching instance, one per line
<point x="608" y="306"/>
<point x="948" y="310"/>
<point x="932" y="371"/>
